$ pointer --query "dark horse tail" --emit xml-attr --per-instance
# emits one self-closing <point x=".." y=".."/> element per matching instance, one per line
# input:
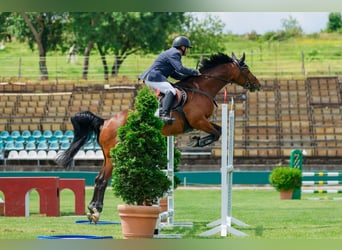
<point x="85" y="123"/>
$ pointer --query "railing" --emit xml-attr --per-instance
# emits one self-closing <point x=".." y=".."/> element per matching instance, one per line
<point x="274" y="62"/>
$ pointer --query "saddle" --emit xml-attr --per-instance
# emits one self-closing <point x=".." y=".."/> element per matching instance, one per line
<point x="178" y="102"/>
<point x="177" y="105"/>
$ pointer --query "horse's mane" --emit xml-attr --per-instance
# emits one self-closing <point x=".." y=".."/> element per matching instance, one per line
<point x="214" y="60"/>
<point x="205" y="64"/>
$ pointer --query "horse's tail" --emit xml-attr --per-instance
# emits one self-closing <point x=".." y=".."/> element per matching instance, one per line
<point x="85" y="123"/>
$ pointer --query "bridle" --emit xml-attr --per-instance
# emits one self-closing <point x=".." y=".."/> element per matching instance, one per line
<point x="248" y="85"/>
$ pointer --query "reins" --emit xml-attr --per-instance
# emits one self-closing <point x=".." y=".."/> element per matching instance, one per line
<point x="248" y="84"/>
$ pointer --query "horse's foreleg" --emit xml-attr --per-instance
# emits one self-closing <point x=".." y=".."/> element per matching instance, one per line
<point x="212" y="137"/>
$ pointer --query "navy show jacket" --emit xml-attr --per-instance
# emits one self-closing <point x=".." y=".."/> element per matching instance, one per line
<point x="167" y="64"/>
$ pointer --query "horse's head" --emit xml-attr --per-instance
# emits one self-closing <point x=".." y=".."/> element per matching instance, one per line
<point x="229" y="70"/>
<point x="245" y="77"/>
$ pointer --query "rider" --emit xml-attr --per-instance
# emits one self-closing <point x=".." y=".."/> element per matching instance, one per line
<point x="168" y="63"/>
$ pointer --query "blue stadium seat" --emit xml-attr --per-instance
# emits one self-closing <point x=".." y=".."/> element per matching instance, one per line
<point x="52" y="139"/>
<point x="54" y="146"/>
<point x="9" y="146"/>
<point x="30" y="139"/>
<point x="42" y="145"/>
<point x="19" y="146"/>
<point x="26" y="133"/>
<point x="88" y="146"/>
<point x="2" y="155"/>
<point x="20" y="138"/>
<point x="36" y="133"/>
<point x="15" y="134"/>
<point x="58" y="133"/>
<point x="41" y="139"/>
<point x="63" y="139"/>
<point x="4" y="134"/>
<point x="47" y="134"/>
<point x="65" y="145"/>
<point x="30" y="146"/>
<point x="69" y="134"/>
<point x="9" y="139"/>
<point x="97" y="146"/>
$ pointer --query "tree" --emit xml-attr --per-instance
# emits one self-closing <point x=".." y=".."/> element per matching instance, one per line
<point x="5" y="20"/>
<point x="45" y="30"/>
<point x="207" y="35"/>
<point x="144" y="31"/>
<point x="291" y="26"/>
<point x="334" y="22"/>
<point x="140" y="155"/>
<point x="122" y="34"/>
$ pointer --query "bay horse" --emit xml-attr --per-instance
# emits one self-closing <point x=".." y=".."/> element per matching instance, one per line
<point x="216" y="71"/>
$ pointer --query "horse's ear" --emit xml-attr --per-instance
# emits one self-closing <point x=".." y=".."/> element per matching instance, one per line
<point x="233" y="56"/>
<point x="243" y="57"/>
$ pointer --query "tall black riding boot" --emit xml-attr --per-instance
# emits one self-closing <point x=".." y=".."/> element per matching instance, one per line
<point x="165" y="111"/>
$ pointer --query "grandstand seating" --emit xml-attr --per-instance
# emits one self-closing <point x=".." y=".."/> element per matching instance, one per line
<point x="269" y="124"/>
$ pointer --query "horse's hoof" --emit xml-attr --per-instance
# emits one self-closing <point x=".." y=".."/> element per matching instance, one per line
<point x="96" y="217"/>
<point x="194" y="141"/>
<point x="90" y="217"/>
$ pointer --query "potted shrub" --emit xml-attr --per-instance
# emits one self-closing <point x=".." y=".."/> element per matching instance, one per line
<point x="138" y="159"/>
<point x="285" y="180"/>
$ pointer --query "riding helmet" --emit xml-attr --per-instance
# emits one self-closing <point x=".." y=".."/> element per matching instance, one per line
<point x="181" y="41"/>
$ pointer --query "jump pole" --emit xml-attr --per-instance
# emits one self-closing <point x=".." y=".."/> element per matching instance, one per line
<point x="224" y="224"/>
<point x="169" y="214"/>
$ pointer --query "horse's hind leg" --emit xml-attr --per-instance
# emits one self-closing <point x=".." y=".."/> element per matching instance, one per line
<point x="101" y="182"/>
<point x="99" y="189"/>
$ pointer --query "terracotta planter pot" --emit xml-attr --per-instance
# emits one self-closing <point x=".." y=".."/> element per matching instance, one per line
<point x="286" y="194"/>
<point x="138" y="221"/>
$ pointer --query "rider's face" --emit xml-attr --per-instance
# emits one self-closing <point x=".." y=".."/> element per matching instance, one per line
<point x="186" y="49"/>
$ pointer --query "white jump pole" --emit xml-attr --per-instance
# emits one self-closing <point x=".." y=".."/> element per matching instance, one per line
<point x="169" y="214"/>
<point x="224" y="224"/>
<point x="170" y="174"/>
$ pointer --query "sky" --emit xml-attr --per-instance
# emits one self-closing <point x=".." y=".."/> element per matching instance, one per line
<point x="261" y="22"/>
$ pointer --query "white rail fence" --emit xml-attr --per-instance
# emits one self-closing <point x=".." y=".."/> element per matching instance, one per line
<point x="270" y="63"/>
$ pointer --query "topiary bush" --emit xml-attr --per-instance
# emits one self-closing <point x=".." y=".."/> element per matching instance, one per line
<point x="285" y="178"/>
<point x="140" y="155"/>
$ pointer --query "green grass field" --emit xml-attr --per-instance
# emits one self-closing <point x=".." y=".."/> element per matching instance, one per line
<point x="268" y="217"/>
<point x="309" y="55"/>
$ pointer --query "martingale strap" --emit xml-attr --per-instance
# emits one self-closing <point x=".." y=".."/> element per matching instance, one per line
<point x="203" y="93"/>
